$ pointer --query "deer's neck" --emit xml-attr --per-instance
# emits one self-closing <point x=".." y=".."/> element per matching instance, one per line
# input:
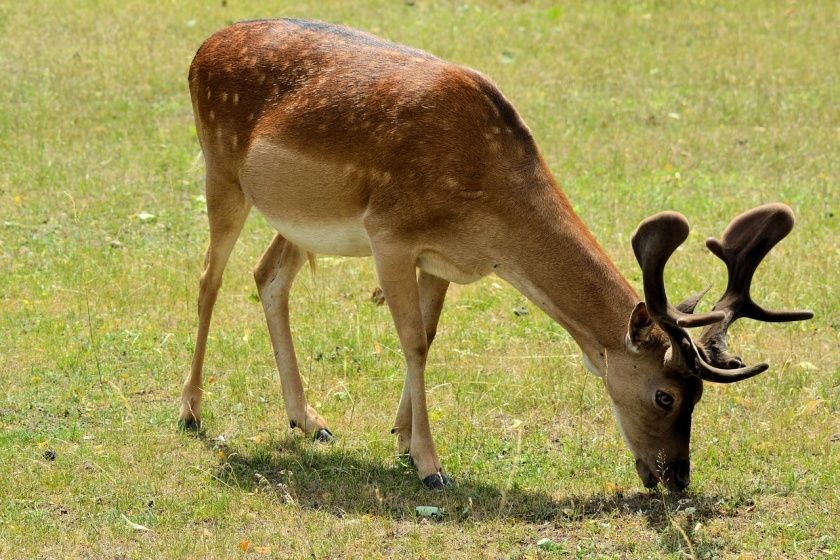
<point x="554" y="260"/>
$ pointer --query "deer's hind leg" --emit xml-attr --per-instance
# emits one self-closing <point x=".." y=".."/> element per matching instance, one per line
<point x="227" y="210"/>
<point x="274" y="276"/>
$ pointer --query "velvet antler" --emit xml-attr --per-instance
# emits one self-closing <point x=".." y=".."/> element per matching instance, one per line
<point x="654" y="241"/>
<point x="743" y="245"/>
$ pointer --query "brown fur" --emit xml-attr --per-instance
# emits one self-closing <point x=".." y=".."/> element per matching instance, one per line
<point x="354" y="145"/>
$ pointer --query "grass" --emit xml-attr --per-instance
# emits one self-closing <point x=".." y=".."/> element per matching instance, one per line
<point x="707" y="108"/>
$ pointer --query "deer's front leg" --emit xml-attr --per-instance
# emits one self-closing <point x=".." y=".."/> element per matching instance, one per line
<point x="395" y="266"/>
<point x="432" y="293"/>
<point x="274" y="276"/>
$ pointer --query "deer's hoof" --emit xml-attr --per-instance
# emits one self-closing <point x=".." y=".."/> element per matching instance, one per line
<point x="437" y="481"/>
<point x="324" y="435"/>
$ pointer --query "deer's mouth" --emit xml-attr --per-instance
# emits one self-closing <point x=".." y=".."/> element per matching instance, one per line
<point x="648" y="476"/>
<point x="674" y="475"/>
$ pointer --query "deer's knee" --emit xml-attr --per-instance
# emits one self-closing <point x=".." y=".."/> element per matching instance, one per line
<point x="417" y="351"/>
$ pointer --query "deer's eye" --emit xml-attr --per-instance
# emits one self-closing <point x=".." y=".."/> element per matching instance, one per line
<point x="664" y="400"/>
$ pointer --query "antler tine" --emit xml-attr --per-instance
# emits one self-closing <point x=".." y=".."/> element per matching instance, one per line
<point x="688" y="304"/>
<point x="654" y="241"/>
<point x="743" y="245"/>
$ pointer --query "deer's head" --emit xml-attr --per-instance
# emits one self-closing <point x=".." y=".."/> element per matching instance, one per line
<point x="658" y="380"/>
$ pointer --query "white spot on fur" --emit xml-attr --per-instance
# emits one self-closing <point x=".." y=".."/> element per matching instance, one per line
<point x="236" y="99"/>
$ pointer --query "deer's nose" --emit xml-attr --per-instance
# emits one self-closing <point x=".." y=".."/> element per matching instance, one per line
<point x="678" y="475"/>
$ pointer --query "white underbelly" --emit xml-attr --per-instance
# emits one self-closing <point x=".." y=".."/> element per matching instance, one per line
<point x="346" y="237"/>
<point x="314" y="203"/>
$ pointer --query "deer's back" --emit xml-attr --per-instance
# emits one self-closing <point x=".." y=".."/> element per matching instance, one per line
<point x="309" y="115"/>
<point x="343" y="93"/>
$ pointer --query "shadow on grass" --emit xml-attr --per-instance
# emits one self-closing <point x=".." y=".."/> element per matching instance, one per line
<point x="345" y="483"/>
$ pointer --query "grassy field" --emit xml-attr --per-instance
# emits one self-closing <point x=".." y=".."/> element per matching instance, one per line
<point x="708" y="109"/>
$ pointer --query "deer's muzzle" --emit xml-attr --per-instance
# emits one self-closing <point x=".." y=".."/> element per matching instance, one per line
<point x="675" y="475"/>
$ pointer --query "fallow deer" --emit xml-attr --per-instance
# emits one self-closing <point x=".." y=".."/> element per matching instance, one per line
<point x="352" y="145"/>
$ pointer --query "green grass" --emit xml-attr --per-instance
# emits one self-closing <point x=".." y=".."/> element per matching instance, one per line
<point x="708" y="108"/>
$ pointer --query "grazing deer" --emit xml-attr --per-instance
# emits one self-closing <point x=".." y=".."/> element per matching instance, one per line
<point x="351" y="145"/>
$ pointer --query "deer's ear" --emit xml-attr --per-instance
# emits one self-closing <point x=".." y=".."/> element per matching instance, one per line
<point x="639" y="328"/>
